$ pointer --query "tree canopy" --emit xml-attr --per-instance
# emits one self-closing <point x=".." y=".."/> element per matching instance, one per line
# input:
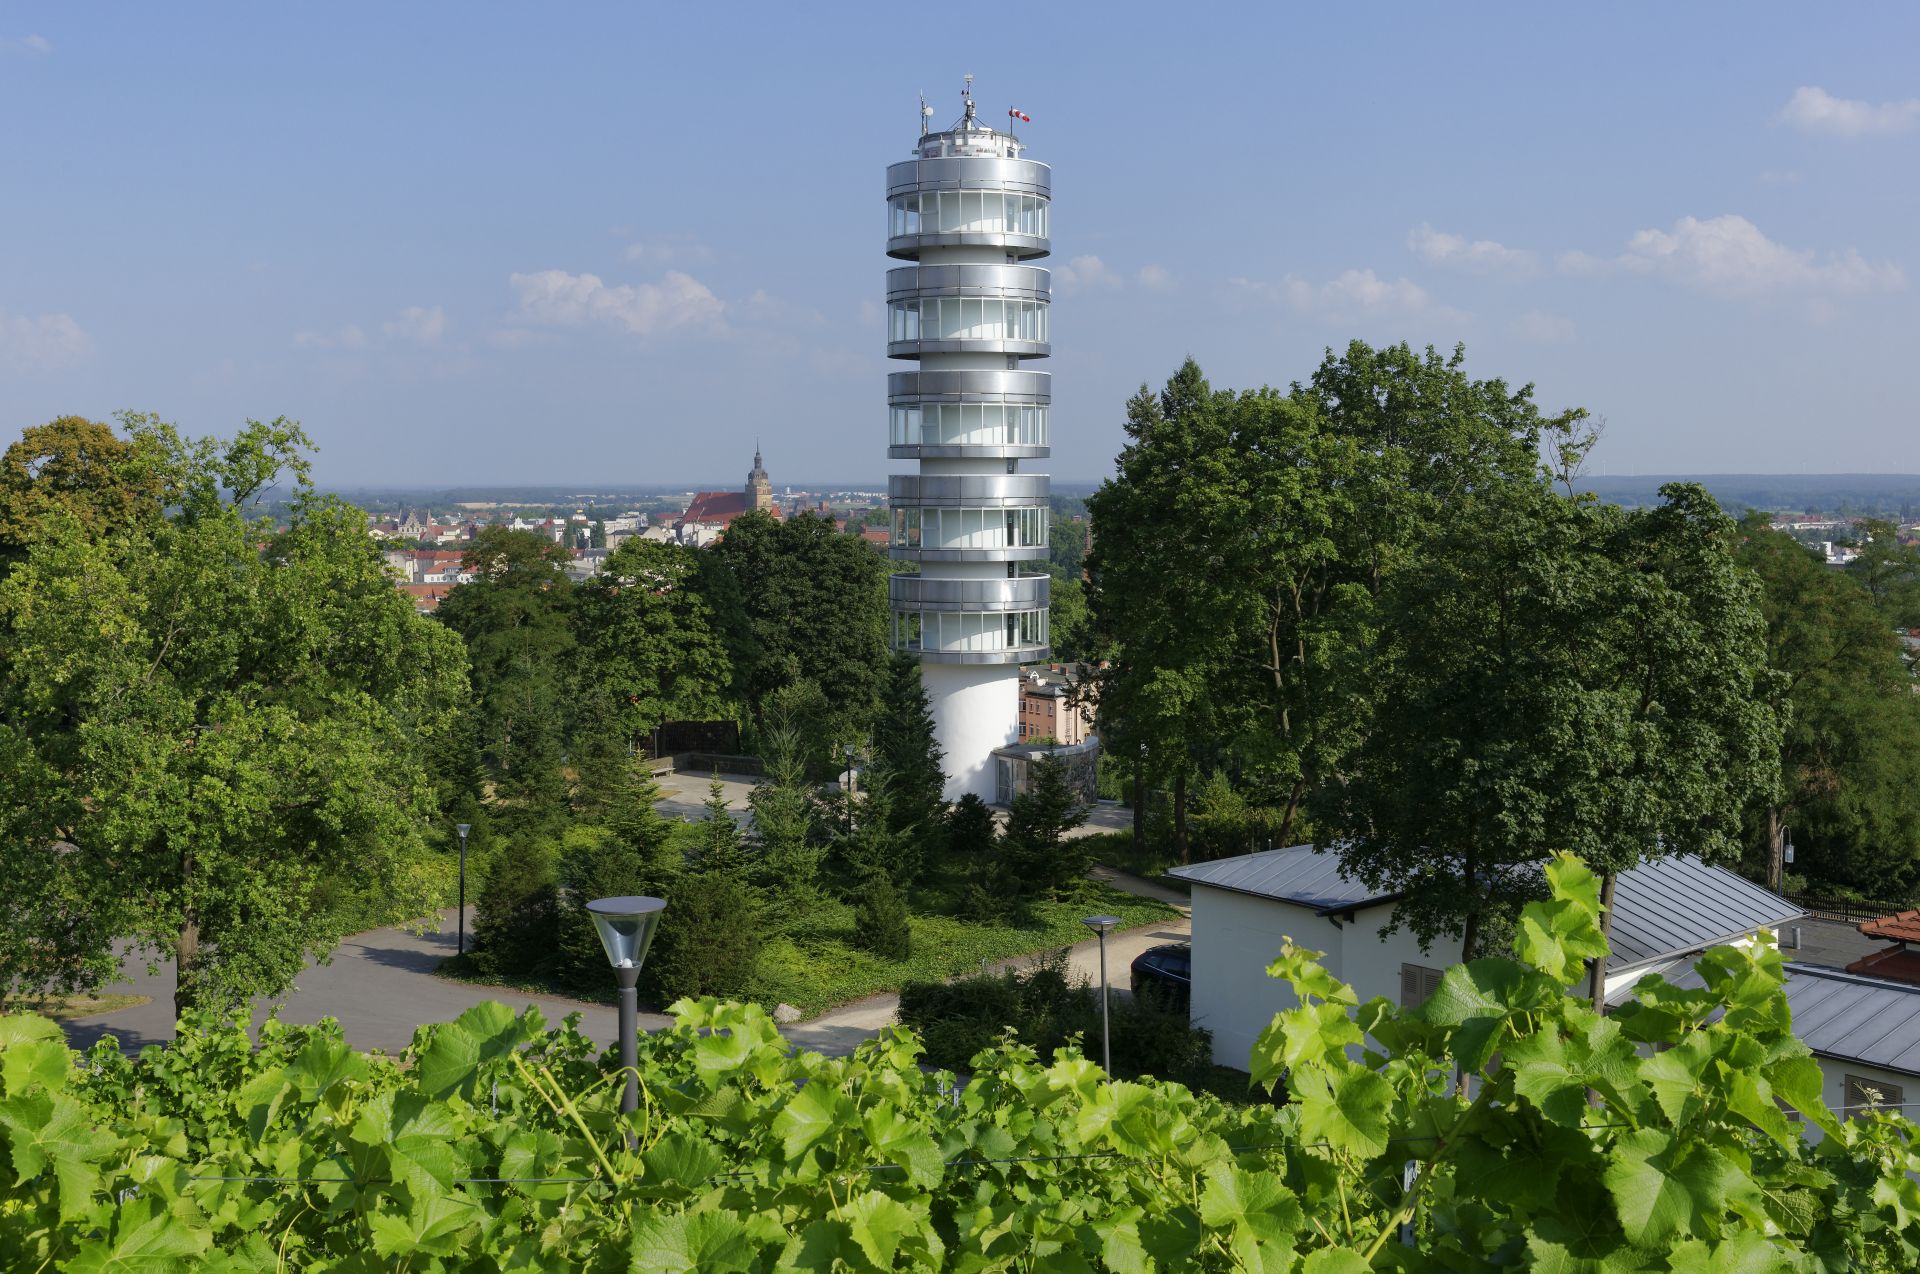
<point x="207" y="725"/>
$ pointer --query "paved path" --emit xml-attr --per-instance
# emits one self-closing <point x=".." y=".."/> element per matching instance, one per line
<point x="839" y="1031"/>
<point x="380" y="985"/>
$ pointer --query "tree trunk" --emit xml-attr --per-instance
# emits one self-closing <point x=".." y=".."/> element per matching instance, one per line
<point x="1468" y="934"/>
<point x="1776" y="849"/>
<point x="1293" y="811"/>
<point x="1599" y="983"/>
<point x="1180" y="815"/>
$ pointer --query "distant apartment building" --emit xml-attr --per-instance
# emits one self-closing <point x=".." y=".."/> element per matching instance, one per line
<point x="1048" y="709"/>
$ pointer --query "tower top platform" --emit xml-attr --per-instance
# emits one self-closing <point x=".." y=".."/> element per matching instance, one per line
<point x="966" y="137"/>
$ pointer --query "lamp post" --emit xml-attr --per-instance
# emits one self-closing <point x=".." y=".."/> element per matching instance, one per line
<point x="463" y="829"/>
<point x="626" y="928"/>
<point x="1100" y="925"/>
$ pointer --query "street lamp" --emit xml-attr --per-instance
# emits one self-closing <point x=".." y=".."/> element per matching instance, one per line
<point x="626" y="928"/>
<point x="1100" y="925"/>
<point x="848" y="749"/>
<point x="463" y="829"/>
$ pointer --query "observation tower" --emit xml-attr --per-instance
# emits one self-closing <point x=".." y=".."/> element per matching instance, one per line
<point x="969" y="529"/>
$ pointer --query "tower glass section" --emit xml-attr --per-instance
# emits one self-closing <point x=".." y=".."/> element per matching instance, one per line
<point x="970" y="316"/>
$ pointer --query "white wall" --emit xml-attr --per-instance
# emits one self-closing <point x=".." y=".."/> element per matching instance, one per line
<point x="1235" y="938"/>
<point x="976" y="708"/>
<point x="1834" y="1089"/>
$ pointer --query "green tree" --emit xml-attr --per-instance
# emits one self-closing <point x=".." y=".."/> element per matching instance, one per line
<point x="1889" y="570"/>
<point x="719" y="842"/>
<point x="648" y="646"/>
<point x="514" y="619"/>
<point x="1067" y="619"/>
<point x="206" y="724"/>
<point x="816" y="605"/>
<point x="1557" y="674"/>
<point x="708" y="942"/>
<point x="1038" y="856"/>
<point x="970" y="826"/>
<point x="880" y="920"/>
<point x="516" y="913"/>
<point x="788" y="847"/>
<point x="1850" y="752"/>
<point x="80" y="470"/>
<point x="1240" y="549"/>
<point x="905" y="754"/>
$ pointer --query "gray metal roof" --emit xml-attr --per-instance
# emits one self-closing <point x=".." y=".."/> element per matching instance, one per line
<point x="1301" y="875"/>
<point x="1847" y="1016"/>
<point x="1660" y="909"/>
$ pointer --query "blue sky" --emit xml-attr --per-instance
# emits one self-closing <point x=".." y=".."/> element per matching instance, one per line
<point x="615" y="244"/>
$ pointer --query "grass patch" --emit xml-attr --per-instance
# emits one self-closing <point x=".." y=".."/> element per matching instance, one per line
<point x="821" y="967"/>
<point x="65" y="1008"/>
<point x="1149" y="861"/>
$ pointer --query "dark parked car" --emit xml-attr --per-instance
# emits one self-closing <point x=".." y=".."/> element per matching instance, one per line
<point x="1165" y="973"/>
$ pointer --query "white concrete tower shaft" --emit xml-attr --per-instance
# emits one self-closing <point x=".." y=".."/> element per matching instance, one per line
<point x="969" y="211"/>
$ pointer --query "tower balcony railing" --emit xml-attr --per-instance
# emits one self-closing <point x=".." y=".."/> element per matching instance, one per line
<point x="1010" y="282"/>
<point x="976" y="490"/>
<point x="972" y="637"/>
<point x="972" y="173"/>
<point x="967" y="414"/>
<point x="919" y="592"/>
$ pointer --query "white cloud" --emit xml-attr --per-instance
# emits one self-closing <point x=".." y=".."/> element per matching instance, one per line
<point x="350" y="336"/>
<point x="1352" y="292"/>
<point x="1155" y="278"/>
<point x="1084" y="274"/>
<point x="1536" y="327"/>
<point x="645" y="309"/>
<point x="671" y="249"/>
<point x="41" y="342"/>
<point x="419" y="324"/>
<point x="26" y="44"/>
<point x="1729" y="254"/>
<point x="1477" y="254"/>
<point x="1814" y="110"/>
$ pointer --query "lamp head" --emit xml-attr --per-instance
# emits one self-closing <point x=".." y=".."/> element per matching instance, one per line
<point x="463" y="829"/>
<point x="626" y="927"/>
<point x="1100" y="924"/>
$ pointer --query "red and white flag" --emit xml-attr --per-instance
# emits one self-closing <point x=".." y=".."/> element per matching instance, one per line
<point x="1015" y="114"/>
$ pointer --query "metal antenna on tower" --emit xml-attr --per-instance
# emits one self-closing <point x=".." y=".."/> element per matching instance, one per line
<point x="966" y="96"/>
<point x="926" y="113"/>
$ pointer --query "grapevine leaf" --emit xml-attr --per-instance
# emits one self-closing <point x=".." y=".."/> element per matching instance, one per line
<point x="682" y="1241"/>
<point x="1744" y="1252"/>
<point x="259" y="1100"/>
<point x="809" y="1117"/>
<point x="1254" y="1204"/>
<point x="1347" y="1108"/>
<point x="1477" y="999"/>
<point x="24" y="1028"/>
<point x="142" y="1238"/>
<point x="52" y="1131"/>
<point x="1676" y="1075"/>
<point x="1121" y="1249"/>
<point x="1662" y="1189"/>
<point x="1799" y="1082"/>
<point x="452" y="1062"/>
<point x="324" y="1063"/>
<point x="679" y="1160"/>
<point x="818" y="1247"/>
<point x="879" y="1224"/>
<point x="1545" y="1074"/>
<point x="718" y="1055"/>
<point x="1750" y="1095"/>
<point x="432" y="1224"/>
<point x="33" y="1063"/>
<point x="1335" y="1260"/>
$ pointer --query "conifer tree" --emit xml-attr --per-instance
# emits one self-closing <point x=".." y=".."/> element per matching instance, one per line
<point x="1036" y="854"/>
<point x="905" y="753"/>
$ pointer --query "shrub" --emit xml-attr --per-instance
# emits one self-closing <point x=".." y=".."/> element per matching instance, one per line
<point x="970" y="827"/>
<point x="708" y="942"/>
<point x="515" y="918"/>
<point x="880" y="920"/>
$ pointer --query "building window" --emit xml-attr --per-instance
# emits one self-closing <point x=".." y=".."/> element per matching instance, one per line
<point x="1417" y="984"/>
<point x="1860" y="1095"/>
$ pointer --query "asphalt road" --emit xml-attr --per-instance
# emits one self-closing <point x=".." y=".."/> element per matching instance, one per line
<point x="380" y="985"/>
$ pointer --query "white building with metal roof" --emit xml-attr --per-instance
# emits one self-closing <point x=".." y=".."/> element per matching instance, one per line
<point x="1664" y="914"/>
